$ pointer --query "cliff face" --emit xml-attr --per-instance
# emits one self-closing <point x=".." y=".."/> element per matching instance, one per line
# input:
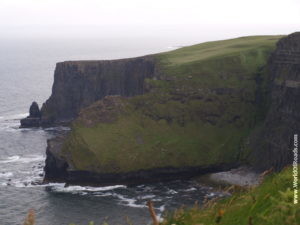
<point x="197" y="112"/>
<point x="77" y="84"/>
<point x="272" y="144"/>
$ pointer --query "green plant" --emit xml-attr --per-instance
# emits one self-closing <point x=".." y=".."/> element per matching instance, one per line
<point x="271" y="203"/>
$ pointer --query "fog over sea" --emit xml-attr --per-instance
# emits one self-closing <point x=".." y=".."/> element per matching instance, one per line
<point x="26" y="75"/>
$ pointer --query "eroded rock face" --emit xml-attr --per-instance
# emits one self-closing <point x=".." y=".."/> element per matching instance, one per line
<point x="56" y="166"/>
<point x="79" y="84"/>
<point x="273" y="144"/>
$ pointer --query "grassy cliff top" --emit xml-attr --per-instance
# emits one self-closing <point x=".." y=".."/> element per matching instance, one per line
<point x="215" y="49"/>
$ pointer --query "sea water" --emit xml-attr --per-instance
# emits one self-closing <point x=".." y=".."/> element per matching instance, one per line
<point x="26" y="75"/>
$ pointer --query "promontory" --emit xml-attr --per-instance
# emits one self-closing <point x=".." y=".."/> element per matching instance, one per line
<point x="206" y="107"/>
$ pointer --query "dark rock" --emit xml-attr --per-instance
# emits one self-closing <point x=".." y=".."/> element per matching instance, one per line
<point x="78" y="84"/>
<point x="30" y="122"/>
<point x="34" y="111"/>
<point x="34" y="118"/>
<point x="272" y="145"/>
<point x="56" y="167"/>
<point x="141" y="176"/>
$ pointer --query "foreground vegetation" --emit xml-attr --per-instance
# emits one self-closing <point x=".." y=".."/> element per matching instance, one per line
<point x="271" y="203"/>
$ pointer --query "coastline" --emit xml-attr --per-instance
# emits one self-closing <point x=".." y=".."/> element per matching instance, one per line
<point x="241" y="176"/>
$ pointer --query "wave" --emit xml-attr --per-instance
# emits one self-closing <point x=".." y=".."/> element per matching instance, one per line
<point x="11" y="122"/>
<point x="148" y="197"/>
<point x="131" y="202"/>
<point x="11" y="159"/>
<point x="60" y="128"/>
<point x="96" y="191"/>
<point x="19" y="159"/>
<point x="6" y="174"/>
<point x="60" y="187"/>
<point x="172" y="192"/>
<point x="190" y="189"/>
<point x="14" y="117"/>
<point x="20" y="116"/>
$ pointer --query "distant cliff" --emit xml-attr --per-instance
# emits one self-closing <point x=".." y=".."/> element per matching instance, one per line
<point x="272" y="144"/>
<point x="77" y="84"/>
<point x="183" y="112"/>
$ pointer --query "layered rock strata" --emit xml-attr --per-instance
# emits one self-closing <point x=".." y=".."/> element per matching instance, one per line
<point x="273" y="143"/>
<point x="77" y="84"/>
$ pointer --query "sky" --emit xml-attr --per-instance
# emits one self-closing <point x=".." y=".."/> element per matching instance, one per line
<point x="193" y="18"/>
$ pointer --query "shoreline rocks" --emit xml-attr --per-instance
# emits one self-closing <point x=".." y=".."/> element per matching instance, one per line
<point x="241" y="176"/>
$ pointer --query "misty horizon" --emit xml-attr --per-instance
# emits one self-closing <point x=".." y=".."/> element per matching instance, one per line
<point x="190" y="21"/>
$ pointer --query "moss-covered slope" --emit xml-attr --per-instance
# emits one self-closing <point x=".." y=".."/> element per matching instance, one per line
<point x="201" y="104"/>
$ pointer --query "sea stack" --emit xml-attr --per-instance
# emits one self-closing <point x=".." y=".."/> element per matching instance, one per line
<point x="34" y="118"/>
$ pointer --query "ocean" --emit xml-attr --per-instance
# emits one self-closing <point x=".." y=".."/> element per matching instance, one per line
<point x="26" y="75"/>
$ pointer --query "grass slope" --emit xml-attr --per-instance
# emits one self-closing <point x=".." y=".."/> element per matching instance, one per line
<point x="271" y="203"/>
<point x="202" y="104"/>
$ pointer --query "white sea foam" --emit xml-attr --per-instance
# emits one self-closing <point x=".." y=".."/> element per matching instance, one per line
<point x="148" y="197"/>
<point x="14" y="117"/>
<point x="20" y="116"/>
<point x="162" y="208"/>
<point x="191" y="189"/>
<point x="212" y="194"/>
<point x="159" y="215"/>
<point x="172" y="192"/>
<point x="25" y="159"/>
<point x="106" y="194"/>
<point x="81" y="189"/>
<point x="11" y="159"/>
<point x="129" y="201"/>
<point x="60" y="128"/>
<point x="6" y="174"/>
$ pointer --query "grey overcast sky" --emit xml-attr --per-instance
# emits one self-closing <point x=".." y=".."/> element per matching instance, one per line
<point x="149" y="17"/>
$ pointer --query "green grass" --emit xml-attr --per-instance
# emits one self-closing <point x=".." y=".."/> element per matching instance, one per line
<point x="205" y="51"/>
<point x="200" y="108"/>
<point x="268" y="204"/>
<point x="127" y="146"/>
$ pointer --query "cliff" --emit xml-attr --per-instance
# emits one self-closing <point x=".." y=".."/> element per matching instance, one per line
<point x="272" y="144"/>
<point x="77" y="84"/>
<point x="201" y="103"/>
